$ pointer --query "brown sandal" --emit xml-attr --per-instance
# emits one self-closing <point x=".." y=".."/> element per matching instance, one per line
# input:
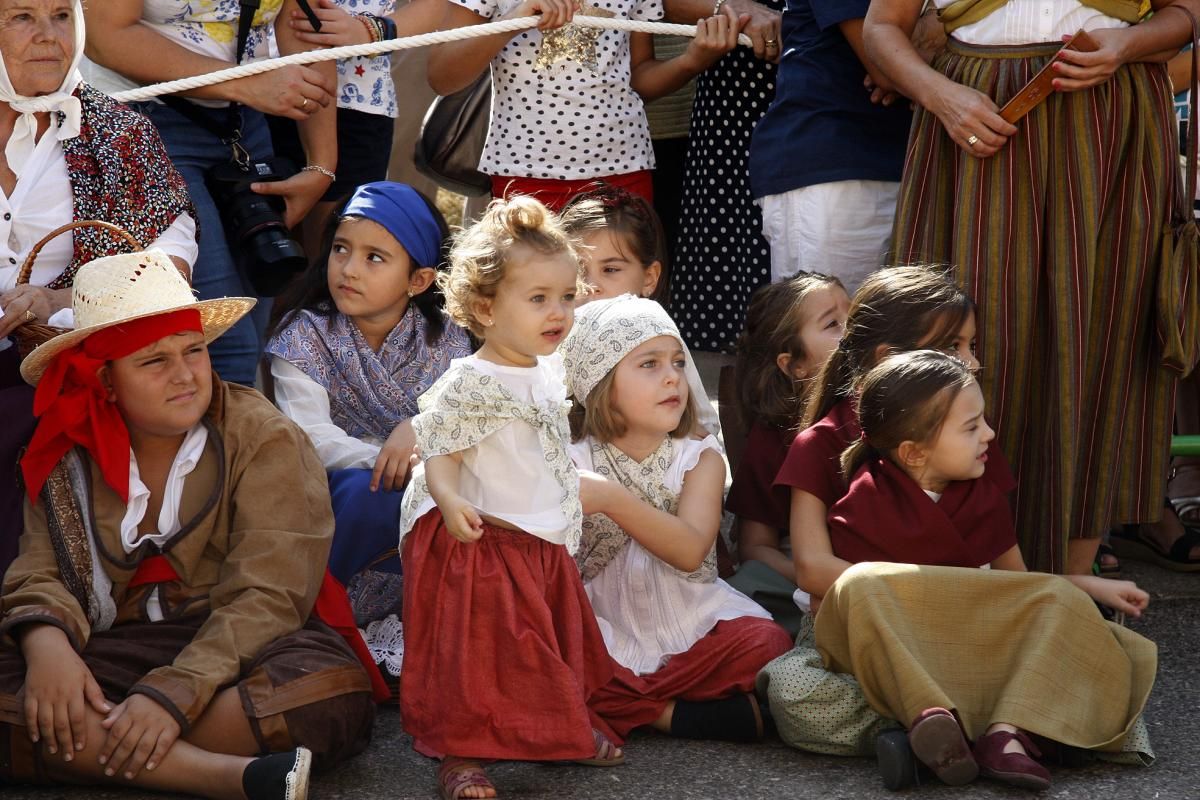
<point x="607" y="753"/>
<point x="456" y="775"/>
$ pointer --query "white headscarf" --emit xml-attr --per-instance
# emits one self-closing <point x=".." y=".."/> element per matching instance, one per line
<point x="24" y="136"/>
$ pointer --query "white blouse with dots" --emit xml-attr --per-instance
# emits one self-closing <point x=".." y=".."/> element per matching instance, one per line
<point x="565" y="122"/>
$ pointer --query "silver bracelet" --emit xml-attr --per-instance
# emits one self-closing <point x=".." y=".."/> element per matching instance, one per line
<point x="328" y="173"/>
<point x="717" y="7"/>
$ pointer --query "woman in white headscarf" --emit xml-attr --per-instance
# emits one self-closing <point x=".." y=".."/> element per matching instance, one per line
<point x="67" y="152"/>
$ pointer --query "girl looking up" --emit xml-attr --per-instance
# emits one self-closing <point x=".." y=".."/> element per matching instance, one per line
<point x="688" y="645"/>
<point x="624" y="251"/>
<point x="354" y="346"/>
<point x="791" y="328"/>
<point x="504" y="662"/>
<point x="924" y="492"/>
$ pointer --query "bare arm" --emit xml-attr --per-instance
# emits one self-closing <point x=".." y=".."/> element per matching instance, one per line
<point x="759" y="542"/>
<point x="1156" y="39"/>
<point x="651" y="78"/>
<point x="454" y="65"/>
<point x="1010" y="560"/>
<point x="681" y="540"/>
<point x="1123" y="596"/>
<point x="817" y="568"/>
<point x="461" y="518"/>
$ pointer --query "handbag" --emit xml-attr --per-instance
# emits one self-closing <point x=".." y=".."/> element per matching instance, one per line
<point x="452" y="138"/>
<point x="1178" y="288"/>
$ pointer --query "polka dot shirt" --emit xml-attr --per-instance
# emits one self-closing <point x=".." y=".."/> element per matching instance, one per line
<point x="565" y="122"/>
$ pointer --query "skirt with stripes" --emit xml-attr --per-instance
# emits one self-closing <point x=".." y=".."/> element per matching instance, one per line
<point x="1057" y="237"/>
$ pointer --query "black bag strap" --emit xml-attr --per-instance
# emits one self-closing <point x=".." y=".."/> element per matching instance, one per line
<point x="1193" y="124"/>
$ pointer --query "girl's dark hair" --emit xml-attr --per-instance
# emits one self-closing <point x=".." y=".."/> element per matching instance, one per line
<point x="899" y="309"/>
<point x="773" y="321"/>
<point x="607" y="207"/>
<point x="904" y="399"/>
<point x="311" y="290"/>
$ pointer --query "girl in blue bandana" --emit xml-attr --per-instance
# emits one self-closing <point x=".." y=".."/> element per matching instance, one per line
<point x="353" y="346"/>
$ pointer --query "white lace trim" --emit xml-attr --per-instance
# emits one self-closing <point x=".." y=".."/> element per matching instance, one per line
<point x="385" y="640"/>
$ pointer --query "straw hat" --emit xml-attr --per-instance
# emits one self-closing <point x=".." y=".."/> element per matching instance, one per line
<point x="116" y="289"/>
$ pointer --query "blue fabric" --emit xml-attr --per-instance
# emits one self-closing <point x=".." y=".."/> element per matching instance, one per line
<point x="366" y="525"/>
<point x="405" y="215"/>
<point x="822" y="126"/>
<point x="193" y="150"/>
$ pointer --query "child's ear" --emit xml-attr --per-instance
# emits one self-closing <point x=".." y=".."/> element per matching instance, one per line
<point x="784" y="362"/>
<point x="481" y="307"/>
<point x="881" y="352"/>
<point x="911" y="454"/>
<point x="105" y="376"/>
<point x="650" y="277"/>
<point x="420" y="280"/>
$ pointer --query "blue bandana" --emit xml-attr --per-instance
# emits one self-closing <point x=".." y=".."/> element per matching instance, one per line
<point x="403" y="212"/>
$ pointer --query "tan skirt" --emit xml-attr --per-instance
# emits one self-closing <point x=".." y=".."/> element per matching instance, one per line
<point x="1027" y="649"/>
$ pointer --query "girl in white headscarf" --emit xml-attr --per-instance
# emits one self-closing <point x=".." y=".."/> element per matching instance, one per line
<point x="688" y="645"/>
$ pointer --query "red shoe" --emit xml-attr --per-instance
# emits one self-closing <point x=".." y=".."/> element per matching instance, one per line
<point x="937" y="741"/>
<point x="1018" y="769"/>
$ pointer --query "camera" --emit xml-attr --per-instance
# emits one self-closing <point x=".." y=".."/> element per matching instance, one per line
<point x="257" y="235"/>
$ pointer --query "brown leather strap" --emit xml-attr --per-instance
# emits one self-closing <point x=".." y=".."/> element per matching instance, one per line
<point x="1042" y="84"/>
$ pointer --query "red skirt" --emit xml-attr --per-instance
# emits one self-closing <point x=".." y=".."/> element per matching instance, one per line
<point x="723" y="663"/>
<point x="555" y="194"/>
<point x="501" y="649"/>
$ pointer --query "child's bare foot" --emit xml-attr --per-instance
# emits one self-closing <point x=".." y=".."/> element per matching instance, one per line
<point x="463" y="779"/>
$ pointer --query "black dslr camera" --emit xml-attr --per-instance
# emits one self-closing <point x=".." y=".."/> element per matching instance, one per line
<point x="257" y="235"/>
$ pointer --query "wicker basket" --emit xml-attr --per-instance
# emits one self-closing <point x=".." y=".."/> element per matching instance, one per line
<point x="30" y="334"/>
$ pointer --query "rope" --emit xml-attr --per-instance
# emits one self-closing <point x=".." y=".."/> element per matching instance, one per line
<point x="405" y="43"/>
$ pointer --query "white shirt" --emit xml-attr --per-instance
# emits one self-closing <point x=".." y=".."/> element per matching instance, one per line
<point x="506" y="476"/>
<point x="41" y="202"/>
<point x="305" y="402"/>
<point x="646" y="610"/>
<point x="1032" y="21"/>
<point x="168" y="516"/>
<point x="365" y="84"/>
<point x="207" y="27"/>
<point x="565" y="122"/>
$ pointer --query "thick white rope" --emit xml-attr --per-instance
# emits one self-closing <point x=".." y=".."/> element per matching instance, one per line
<point x="406" y="43"/>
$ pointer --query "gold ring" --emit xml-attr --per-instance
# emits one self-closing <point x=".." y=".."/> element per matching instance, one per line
<point x="304" y="105"/>
<point x="771" y="42"/>
<point x="30" y="316"/>
<point x="971" y="140"/>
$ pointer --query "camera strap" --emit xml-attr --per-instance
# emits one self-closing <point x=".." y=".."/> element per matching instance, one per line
<point x="230" y="132"/>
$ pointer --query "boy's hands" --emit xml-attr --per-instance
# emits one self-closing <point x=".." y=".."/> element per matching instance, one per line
<point x="140" y="732"/>
<point x="58" y="689"/>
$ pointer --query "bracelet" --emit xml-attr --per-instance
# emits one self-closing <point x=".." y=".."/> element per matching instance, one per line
<point x="717" y="7"/>
<point x="328" y="173"/>
<point x="373" y="32"/>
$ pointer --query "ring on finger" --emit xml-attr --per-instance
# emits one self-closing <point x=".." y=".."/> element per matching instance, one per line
<point x="304" y="105"/>
<point x="771" y="42"/>
<point x="30" y="316"/>
<point x="972" y="140"/>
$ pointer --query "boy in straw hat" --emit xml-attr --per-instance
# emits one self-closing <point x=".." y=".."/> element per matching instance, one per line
<point x="156" y="625"/>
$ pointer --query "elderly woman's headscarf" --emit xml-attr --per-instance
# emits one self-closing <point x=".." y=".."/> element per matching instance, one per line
<point x="605" y="332"/>
<point x="24" y="135"/>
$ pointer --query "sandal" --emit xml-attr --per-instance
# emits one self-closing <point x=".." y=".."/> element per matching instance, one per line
<point x="1186" y="508"/>
<point x="456" y="775"/>
<point x="607" y="753"/>
<point x="1127" y="542"/>
<point x="1107" y="565"/>
<point x="1015" y="769"/>
<point x="937" y="741"/>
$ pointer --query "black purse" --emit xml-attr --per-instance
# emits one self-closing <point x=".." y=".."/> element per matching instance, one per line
<point x="452" y="138"/>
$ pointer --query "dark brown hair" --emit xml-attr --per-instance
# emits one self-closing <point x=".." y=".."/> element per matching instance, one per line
<point x="898" y="308"/>
<point x="773" y="321"/>
<point x="605" y="207"/>
<point x="904" y="399"/>
<point x="598" y="417"/>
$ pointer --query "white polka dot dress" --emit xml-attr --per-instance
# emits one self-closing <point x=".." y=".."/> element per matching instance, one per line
<point x="721" y="255"/>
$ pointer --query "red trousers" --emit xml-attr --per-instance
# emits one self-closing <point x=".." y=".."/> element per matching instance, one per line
<point x="723" y="663"/>
<point x="554" y="194"/>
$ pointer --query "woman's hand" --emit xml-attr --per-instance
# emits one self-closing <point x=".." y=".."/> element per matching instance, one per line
<point x="295" y="92"/>
<point x="300" y="193"/>
<point x="972" y="120"/>
<point x="462" y="520"/>
<point x="395" y="459"/>
<point x="1122" y="596"/>
<point x="553" y="13"/>
<point x="21" y="301"/>
<point x="338" y="27"/>
<point x="1077" y="70"/>
<point x="140" y="732"/>
<point x="763" y="28"/>
<point x="58" y="689"/>
<point x="715" y="36"/>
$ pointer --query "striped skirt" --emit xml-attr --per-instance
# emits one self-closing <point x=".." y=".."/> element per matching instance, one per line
<point x="1057" y="237"/>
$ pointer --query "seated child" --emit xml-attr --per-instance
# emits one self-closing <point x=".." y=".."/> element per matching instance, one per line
<point x="504" y="663"/>
<point x="689" y="646"/>
<point x="988" y="646"/>
<point x="159" y="626"/>
<point x="624" y="251"/>
<point x="355" y="344"/>
<point x="791" y="328"/>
